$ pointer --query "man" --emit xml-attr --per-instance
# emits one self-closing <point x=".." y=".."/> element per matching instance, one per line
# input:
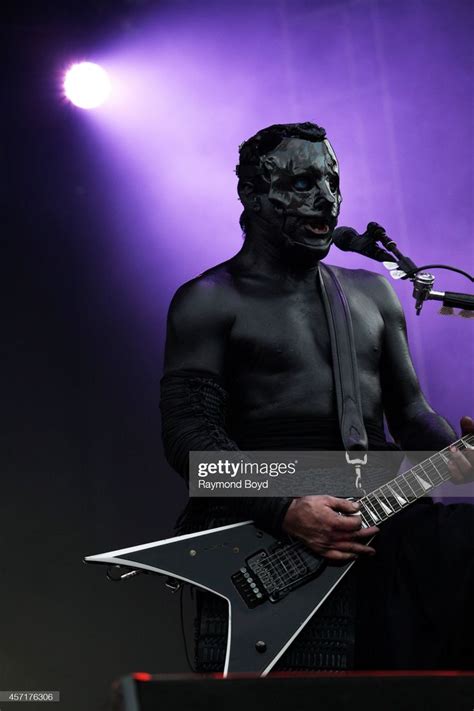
<point x="248" y="366"/>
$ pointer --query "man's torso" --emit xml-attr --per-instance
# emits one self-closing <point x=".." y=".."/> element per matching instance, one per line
<point x="278" y="356"/>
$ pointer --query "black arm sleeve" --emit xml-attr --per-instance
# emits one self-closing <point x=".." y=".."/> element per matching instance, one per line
<point x="193" y="409"/>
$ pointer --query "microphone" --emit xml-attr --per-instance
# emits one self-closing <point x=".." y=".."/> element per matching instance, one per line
<point x="348" y="240"/>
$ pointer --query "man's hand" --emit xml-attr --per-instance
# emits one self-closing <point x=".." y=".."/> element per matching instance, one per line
<point x="317" y="521"/>
<point x="461" y="465"/>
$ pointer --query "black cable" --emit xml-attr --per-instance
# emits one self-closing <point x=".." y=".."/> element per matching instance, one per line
<point x="412" y="272"/>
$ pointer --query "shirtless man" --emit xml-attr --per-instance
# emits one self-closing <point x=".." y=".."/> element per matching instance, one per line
<point x="248" y="359"/>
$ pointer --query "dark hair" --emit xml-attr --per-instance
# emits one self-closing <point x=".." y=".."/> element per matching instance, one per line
<point x="266" y="140"/>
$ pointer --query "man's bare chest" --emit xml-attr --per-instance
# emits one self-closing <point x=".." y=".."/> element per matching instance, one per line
<point x="277" y="333"/>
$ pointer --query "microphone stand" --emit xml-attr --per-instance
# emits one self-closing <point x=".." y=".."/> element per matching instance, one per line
<point x="423" y="281"/>
<point x="423" y="291"/>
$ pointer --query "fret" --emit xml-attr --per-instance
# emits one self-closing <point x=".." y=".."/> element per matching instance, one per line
<point x="391" y="499"/>
<point x="408" y="480"/>
<point x="365" y="513"/>
<point x="373" y="509"/>
<point x="440" y="466"/>
<point x="399" y="496"/>
<point x="446" y="462"/>
<point x="374" y="505"/>
<point x="384" y="502"/>
<point x="406" y="489"/>
<point x="424" y="476"/>
<point x="386" y="510"/>
<point x="434" y="477"/>
<point x="412" y="481"/>
<point x="372" y="517"/>
<point x="422" y="479"/>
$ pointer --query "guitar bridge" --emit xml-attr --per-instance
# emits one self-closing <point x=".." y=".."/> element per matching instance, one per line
<point x="272" y="575"/>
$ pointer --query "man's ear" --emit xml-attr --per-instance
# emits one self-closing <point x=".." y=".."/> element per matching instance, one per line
<point x="248" y="196"/>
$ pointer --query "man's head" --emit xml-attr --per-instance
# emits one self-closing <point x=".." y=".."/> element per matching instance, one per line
<point x="289" y="187"/>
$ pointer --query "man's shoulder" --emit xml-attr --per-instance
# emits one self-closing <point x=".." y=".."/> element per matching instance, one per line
<point x="357" y="275"/>
<point x="376" y="285"/>
<point x="211" y="292"/>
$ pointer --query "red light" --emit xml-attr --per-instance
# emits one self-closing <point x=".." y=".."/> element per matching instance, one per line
<point x="142" y="676"/>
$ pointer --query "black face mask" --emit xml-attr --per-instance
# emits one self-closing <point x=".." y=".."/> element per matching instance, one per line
<point x="296" y="197"/>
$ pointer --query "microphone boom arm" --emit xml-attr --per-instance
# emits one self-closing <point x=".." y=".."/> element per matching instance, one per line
<point x="348" y="240"/>
<point x="453" y="299"/>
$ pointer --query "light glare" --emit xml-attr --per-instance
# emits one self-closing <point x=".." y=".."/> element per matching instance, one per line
<point x="87" y="85"/>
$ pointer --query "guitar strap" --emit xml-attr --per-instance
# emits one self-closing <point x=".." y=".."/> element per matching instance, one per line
<point x="344" y="362"/>
<point x="335" y="621"/>
<point x="345" y="370"/>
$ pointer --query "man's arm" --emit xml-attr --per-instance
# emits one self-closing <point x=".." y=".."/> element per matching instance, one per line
<point x="200" y="318"/>
<point x="193" y="388"/>
<point x="194" y="396"/>
<point x="411" y="420"/>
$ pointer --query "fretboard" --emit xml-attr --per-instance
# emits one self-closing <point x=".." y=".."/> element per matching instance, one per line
<point x="404" y="489"/>
<point x="375" y="508"/>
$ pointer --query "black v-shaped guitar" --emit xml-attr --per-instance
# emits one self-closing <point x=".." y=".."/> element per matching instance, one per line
<point x="272" y="587"/>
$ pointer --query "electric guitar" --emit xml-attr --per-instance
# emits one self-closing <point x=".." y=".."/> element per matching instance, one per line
<point x="272" y="587"/>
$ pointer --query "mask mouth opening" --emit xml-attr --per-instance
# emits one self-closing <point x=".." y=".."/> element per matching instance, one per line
<point x="318" y="226"/>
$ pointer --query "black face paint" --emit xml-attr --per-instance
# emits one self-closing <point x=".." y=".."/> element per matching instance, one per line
<point x="298" y="195"/>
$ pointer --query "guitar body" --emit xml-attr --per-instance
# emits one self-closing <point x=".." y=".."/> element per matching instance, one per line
<point x="259" y="631"/>
<point x="272" y="587"/>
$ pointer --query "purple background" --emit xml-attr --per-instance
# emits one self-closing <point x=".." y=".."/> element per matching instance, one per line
<point x="109" y="211"/>
<point x="390" y="81"/>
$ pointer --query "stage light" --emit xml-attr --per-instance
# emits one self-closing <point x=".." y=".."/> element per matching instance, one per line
<point x="87" y="85"/>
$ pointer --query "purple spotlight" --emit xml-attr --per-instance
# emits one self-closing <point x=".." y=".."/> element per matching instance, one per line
<point x="87" y="85"/>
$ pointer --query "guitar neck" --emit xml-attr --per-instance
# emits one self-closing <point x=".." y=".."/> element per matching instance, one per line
<point x="385" y="501"/>
<point x="404" y="489"/>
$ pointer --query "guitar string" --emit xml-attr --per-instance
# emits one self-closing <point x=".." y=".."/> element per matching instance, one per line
<point x="287" y="577"/>
<point x="278" y="555"/>
<point x="284" y="557"/>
